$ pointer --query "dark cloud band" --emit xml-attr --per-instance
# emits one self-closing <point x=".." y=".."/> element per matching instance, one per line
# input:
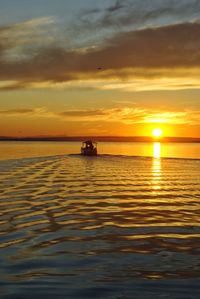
<point x="170" y="47"/>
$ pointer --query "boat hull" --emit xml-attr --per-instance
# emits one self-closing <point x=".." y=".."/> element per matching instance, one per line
<point x="88" y="152"/>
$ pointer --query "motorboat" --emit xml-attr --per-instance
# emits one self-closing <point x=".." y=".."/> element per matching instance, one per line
<point x="89" y="148"/>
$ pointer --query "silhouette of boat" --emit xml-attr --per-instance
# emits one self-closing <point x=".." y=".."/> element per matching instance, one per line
<point x="89" y="148"/>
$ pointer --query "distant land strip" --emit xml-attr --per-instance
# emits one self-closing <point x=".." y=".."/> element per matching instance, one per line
<point x="103" y="139"/>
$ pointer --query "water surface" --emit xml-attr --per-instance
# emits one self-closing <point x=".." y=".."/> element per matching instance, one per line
<point x="108" y="227"/>
<point x="13" y="149"/>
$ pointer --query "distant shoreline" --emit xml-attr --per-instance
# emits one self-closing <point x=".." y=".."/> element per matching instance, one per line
<point x="103" y="139"/>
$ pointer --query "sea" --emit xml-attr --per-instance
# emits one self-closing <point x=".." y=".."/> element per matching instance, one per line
<point x="121" y="225"/>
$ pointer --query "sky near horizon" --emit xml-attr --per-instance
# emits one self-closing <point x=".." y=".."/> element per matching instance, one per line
<point x="109" y="67"/>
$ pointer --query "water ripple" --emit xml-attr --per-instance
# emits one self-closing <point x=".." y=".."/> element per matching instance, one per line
<point x="106" y="220"/>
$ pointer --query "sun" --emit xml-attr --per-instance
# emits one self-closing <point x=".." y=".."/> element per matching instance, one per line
<point x="157" y="132"/>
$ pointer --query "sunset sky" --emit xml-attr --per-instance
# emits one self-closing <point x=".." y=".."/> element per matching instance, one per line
<point x="108" y="68"/>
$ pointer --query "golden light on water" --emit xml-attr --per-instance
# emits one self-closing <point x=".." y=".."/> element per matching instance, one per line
<point x="156" y="166"/>
<point x="156" y="150"/>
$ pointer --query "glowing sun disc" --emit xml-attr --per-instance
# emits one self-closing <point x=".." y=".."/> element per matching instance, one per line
<point x="157" y="132"/>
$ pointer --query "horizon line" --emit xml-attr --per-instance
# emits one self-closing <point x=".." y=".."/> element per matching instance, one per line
<point x="100" y="138"/>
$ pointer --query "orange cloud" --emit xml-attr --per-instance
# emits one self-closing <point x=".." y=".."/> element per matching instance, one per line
<point x="124" y="115"/>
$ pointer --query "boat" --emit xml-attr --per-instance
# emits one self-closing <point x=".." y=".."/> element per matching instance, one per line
<point x="89" y="148"/>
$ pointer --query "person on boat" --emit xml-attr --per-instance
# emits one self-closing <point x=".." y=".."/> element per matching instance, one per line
<point x="89" y="145"/>
<point x="89" y="148"/>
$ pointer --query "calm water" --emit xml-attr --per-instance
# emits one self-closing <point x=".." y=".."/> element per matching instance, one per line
<point x="110" y="226"/>
<point x="13" y="150"/>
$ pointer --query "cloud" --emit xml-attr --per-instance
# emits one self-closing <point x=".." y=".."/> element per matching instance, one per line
<point x="130" y="60"/>
<point x="115" y="7"/>
<point x="142" y="80"/>
<point x="20" y="33"/>
<point x="118" y="5"/>
<point x="177" y="81"/>
<point x="95" y="25"/>
<point x="137" y="14"/>
<point x="16" y="111"/>
<point x="125" y="115"/>
<point x="136" y="115"/>
<point x="23" y="112"/>
<point x="20" y="40"/>
<point x="171" y="46"/>
<point x="81" y="113"/>
<point x="12" y="85"/>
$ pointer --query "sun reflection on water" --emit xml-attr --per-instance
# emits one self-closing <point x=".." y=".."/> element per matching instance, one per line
<point x="156" y="166"/>
<point x="156" y="149"/>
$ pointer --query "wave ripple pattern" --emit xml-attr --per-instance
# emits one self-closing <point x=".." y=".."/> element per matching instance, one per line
<point x="99" y="227"/>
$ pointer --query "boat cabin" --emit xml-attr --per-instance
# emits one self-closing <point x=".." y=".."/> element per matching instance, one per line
<point x="89" y="148"/>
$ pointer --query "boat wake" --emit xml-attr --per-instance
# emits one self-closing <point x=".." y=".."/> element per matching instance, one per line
<point x="110" y="221"/>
